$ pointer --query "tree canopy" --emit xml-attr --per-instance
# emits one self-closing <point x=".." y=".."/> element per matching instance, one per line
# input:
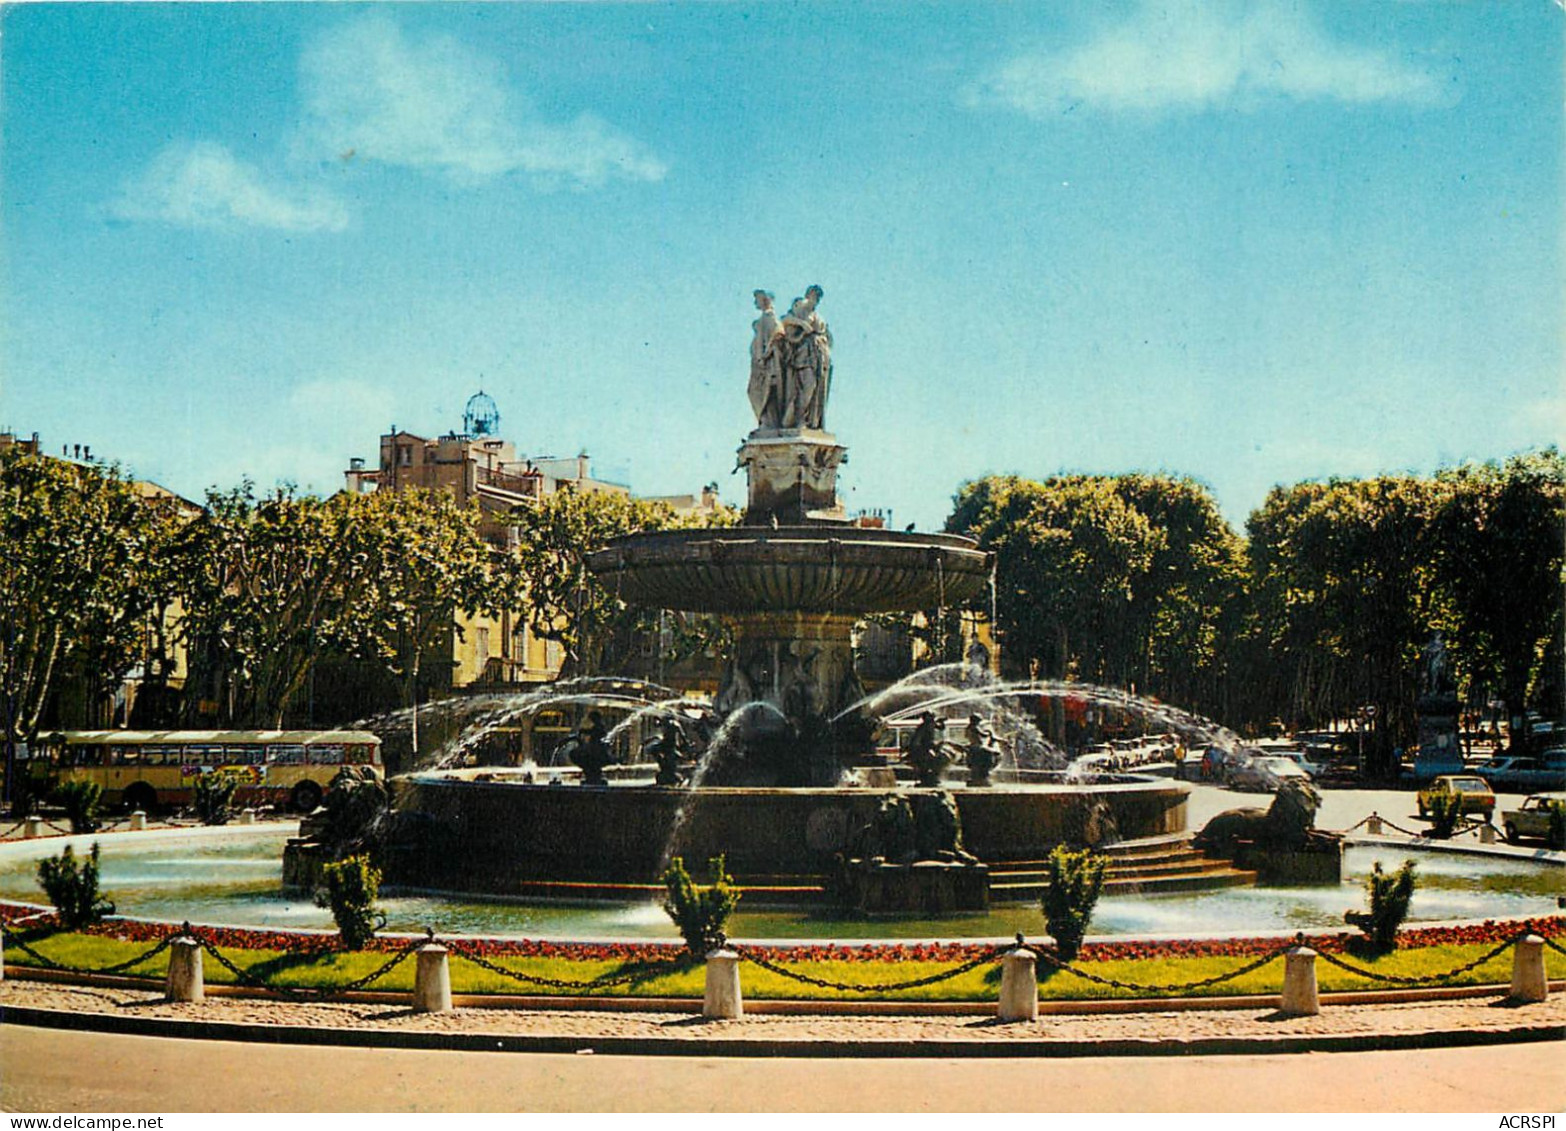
<point x="80" y="561"/>
<point x="1318" y="614"/>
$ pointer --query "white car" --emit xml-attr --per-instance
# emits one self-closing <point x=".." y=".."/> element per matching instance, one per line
<point x="1266" y="773"/>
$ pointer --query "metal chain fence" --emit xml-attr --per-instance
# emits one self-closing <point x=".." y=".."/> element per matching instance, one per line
<point x="602" y="982"/>
<point x="248" y="978"/>
<point x="913" y="983"/>
<point x="13" y="939"/>
<point x="1427" y="979"/>
<point x="1467" y="826"/>
<point x="302" y="993"/>
<point x="1165" y="987"/>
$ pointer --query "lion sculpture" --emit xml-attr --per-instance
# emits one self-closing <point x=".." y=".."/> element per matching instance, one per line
<point x="1289" y="822"/>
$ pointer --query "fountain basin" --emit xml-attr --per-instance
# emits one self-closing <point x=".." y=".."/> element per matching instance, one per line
<point x="509" y="838"/>
<point x="820" y="569"/>
<point x="229" y="876"/>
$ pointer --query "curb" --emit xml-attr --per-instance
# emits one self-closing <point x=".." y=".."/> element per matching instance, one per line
<point x="747" y="1047"/>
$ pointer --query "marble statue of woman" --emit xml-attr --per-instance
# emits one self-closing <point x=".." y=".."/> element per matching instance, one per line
<point x="767" y="394"/>
<point x="807" y="362"/>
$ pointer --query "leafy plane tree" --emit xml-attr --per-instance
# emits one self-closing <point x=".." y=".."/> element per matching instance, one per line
<point x="81" y="569"/>
<point x="423" y="562"/>
<point x="546" y="573"/>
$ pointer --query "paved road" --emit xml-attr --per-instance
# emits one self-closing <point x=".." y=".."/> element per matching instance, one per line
<point x="56" y="1071"/>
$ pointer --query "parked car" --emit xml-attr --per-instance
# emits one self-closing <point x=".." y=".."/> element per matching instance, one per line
<point x="1265" y="773"/>
<point x="1535" y="820"/>
<point x="1302" y="760"/>
<point x="1524" y="773"/>
<point x="1474" y="792"/>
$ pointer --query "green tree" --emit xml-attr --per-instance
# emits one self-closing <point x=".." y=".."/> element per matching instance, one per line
<point x="1069" y="555"/>
<point x="424" y="562"/>
<point x="1189" y="604"/>
<point x="267" y="581"/>
<point x="1130" y="580"/>
<point x="77" y="549"/>
<point x="1498" y="535"/>
<point x="546" y="572"/>
<point x="1343" y="577"/>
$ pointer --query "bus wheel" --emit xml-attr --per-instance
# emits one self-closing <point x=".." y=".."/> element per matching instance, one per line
<point x="141" y="796"/>
<point x="306" y="797"/>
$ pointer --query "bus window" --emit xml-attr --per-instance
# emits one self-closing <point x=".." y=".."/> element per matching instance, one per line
<point x="327" y="754"/>
<point x="288" y="755"/>
<point x="244" y="755"/>
<point x="357" y="755"/>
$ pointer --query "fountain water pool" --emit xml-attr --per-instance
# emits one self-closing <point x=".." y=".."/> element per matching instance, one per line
<point x="230" y="876"/>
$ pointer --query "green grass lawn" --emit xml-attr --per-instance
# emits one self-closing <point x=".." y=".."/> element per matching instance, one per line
<point x="333" y="969"/>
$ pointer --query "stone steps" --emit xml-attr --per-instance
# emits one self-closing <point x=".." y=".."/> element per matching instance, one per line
<point x="1156" y="865"/>
<point x="1006" y="891"/>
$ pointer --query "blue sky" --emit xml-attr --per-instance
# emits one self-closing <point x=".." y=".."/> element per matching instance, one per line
<point x="1253" y="243"/>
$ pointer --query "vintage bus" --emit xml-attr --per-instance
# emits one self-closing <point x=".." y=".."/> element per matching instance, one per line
<point x="151" y="769"/>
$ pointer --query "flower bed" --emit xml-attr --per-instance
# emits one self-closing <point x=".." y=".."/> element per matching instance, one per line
<point x="1488" y="932"/>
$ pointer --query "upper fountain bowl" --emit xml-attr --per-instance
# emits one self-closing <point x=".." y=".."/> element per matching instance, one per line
<point x="822" y="569"/>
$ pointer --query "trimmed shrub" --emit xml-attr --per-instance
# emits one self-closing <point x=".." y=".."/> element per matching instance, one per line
<point x="72" y="886"/>
<point x="80" y="800"/>
<point x="1446" y="810"/>
<point x="700" y="912"/>
<point x="352" y="886"/>
<point x="1390" y="895"/>
<point x="1076" y="879"/>
<point x="214" y="794"/>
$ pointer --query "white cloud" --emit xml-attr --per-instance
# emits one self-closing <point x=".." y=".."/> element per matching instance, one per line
<point x="332" y="401"/>
<point x="372" y="94"/>
<point x="1193" y="54"/>
<point x="203" y="185"/>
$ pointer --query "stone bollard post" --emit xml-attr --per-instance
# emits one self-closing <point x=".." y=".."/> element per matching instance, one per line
<point x="722" y="999"/>
<point x="1528" y="980"/>
<point x="247" y="816"/>
<point x="1486" y="834"/>
<point x="32" y="828"/>
<point x="1373" y="825"/>
<point x="432" y="980"/>
<point x="1019" y="988"/>
<point x="138" y="821"/>
<point x="1299" y="983"/>
<point x="185" y="981"/>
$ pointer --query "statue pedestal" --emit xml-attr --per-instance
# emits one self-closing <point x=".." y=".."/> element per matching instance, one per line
<point x="1318" y="861"/>
<point x="927" y="887"/>
<point x="1438" y="727"/>
<point x="793" y="476"/>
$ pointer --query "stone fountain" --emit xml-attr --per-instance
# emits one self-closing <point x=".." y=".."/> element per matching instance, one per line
<point x="796" y="576"/>
<point x="773" y="792"/>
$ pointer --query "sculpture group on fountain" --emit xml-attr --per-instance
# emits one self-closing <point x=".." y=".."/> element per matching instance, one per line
<point x="929" y="756"/>
<point x="790" y="363"/>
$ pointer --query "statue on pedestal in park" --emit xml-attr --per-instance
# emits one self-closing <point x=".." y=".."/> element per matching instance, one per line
<point x="1437" y="673"/>
<point x="791" y="364"/>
